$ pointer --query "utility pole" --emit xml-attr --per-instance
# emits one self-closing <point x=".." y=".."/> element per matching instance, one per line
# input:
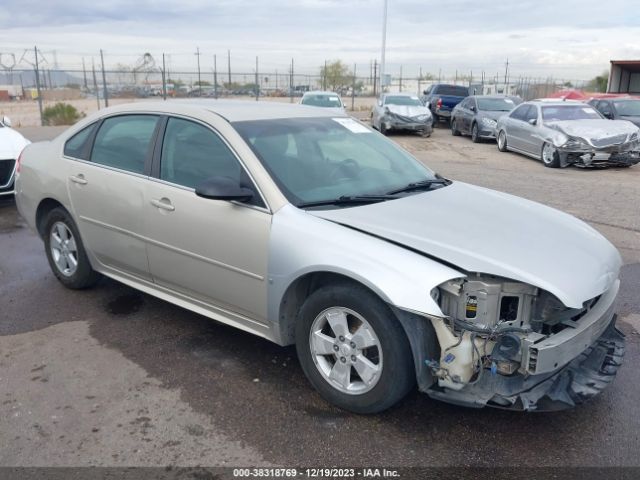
<point x="324" y="76"/>
<point x="229" y="66"/>
<point x="164" y="79"/>
<point x="375" y="78"/>
<point x="84" y="74"/>
<point x="104" y="81"/>
<point x="197" y="54"/>
<point x="384" y="45"/>
<point x="506" y="73"/>
<point x="291" y="83"/>
<point x="215" y="77"/>
<point x="35" y="49"/>
<point x="400" y="81"/>
<point x="95" y="82"/>
<point x="353" y="89"/>
<point x="419" y="81"/>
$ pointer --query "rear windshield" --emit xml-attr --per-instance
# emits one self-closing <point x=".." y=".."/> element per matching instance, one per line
<point x="322" y="100"/>
<point x="402" y="100"/>
<point x="452" y="90"/>
<point x="569" y="112"/>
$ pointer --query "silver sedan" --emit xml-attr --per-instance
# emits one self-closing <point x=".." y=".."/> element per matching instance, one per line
<point x="568" y="133"/>
<point x="401" y="111"/>
<point x="306" y="227"/>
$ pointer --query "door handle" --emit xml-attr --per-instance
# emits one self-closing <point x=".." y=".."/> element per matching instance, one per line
<point x="79" y="179"/>
<point x="164" y="204"/>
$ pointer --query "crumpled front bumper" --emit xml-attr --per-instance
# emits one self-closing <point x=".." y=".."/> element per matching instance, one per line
<point x="624" y="155"/>
<point x="398" y="122"/>
<point x="584" y="377"/>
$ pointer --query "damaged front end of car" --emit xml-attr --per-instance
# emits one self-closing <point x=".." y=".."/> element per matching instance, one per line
<point x="622" y="150"/>
<point x="511" y="345"/>
<point x="421" y="122"/>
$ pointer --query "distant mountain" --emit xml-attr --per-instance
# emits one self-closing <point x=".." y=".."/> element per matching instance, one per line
<point x="48" y="78"/>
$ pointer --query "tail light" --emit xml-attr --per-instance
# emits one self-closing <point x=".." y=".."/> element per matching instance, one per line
<point x="439" y="103"/>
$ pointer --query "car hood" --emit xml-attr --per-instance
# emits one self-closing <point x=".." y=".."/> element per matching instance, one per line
<point x="11" y="143"/>
<point x="492" y="115"/>
<point x="481" y="230"/>
<point x="594" y="129"/>
<point x="408" y="110"/>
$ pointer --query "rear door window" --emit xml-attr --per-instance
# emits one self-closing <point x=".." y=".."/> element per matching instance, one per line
<point x="124" y="142"/>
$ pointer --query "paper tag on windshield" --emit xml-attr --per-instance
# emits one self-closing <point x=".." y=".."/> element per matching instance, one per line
<point x="587" y="110"/>
<point x="352" y="125"/>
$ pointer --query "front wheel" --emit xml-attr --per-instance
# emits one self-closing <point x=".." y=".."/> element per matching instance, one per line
<point x="550" y="156"/>
<point x="65" y="252"/>
<point x="353" y="349"/>
<point x="502" y="141"/>
<point x="454" y="128"/>
<point x="475" y="134"/>
<point x="383" y="130"/>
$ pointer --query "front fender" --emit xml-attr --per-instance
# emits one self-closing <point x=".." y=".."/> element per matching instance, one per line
<point x="301" y="243"/>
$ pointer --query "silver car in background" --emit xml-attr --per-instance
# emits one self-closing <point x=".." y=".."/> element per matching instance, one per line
<point x="401" y="111"/>
<point x="478" y="115"/>
<point x="563" y="133"/>
<point x="309" y="228"/>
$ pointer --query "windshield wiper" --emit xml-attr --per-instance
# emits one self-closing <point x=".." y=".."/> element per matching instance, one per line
<point x="347" y="200"/>
<point x="420" y="185"/>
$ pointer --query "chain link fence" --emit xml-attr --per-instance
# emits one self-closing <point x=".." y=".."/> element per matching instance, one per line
<point x="37" y="80"/>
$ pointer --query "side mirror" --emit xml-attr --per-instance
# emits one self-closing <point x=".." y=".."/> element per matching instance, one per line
<point x="6" y="121"/>
<point x="533" y="121"/>
<point x="428" y="105"/>
<point x="379" y="103"/>
<point x="223" y="188"/>
<point x="608" y="115"/>
<point x="473" y="109"/>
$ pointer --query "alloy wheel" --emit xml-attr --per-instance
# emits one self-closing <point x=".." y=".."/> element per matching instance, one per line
<point x="63" y="249"/>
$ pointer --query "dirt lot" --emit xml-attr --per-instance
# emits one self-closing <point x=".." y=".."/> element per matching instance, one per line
<point x="114" y="377"/>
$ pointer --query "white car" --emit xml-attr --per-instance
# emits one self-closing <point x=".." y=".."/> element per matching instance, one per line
<point x="11" y="145"/>
<point x="307" y="227"/>
<point x="324" y="100"/>
<point x="401" y="111"/>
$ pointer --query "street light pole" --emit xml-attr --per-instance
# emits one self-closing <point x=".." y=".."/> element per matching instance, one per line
<point x="384" y="44"/>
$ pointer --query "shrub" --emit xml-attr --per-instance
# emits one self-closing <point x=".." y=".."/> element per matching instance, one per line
<point x="61" y="114"/>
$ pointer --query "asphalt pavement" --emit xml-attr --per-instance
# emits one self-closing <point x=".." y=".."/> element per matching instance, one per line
<point x="111" y="376"/>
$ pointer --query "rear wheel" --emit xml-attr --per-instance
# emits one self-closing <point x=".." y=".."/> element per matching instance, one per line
<point x="65" y="252"/>
<point x="502" y="141"/>
<point x="454" y="128"/>
<point x="353" y="349"/>
<point x="475" y="134"/>
<point x="550" y="157"/>
<point x="436" y="120"/>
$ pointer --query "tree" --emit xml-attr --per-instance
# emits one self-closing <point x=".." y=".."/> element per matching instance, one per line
<point x="336" y="76"/>
<point x="599" y="83"/>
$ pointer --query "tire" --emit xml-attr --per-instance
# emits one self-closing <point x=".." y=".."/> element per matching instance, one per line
<point x="383" y="129"/>
<point x="501" y="141"/>
<point x="475" y="135"/>
<point x="386" y="365"/>
<point x="63" y="246"/>
<point x="549" y="156"/>
<point x="436" y="120"/>
<point x="454" y="130"/>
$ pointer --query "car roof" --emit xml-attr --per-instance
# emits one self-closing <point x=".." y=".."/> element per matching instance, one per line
<point x="320" y="92"/>
<point x="555" y="103"/>
<point x="399" y="94"/>
<point x="231" y="110"/>
<point x="494" y="96"/>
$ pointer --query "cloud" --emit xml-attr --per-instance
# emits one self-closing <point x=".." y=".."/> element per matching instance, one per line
<point x="575" y="38"/>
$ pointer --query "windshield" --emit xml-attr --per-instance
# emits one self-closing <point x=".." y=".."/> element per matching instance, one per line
<point x="402" y="100"/>
<point x="629" y="108"/>
<point x="495" y="104"/>
<point x="569" y="112"/>
<point x="321" y="100"/>
<point x="452" y="90"/>
<point x="317" y="159"/>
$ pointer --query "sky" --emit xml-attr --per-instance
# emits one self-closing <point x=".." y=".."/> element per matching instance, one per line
<point x="565" y="39"/>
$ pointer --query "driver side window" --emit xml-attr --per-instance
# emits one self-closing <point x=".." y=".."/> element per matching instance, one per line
<point x="520" y="113"/>
<point x="192" y="153"/>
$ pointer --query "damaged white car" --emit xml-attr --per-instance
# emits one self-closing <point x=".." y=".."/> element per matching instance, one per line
<point x="307" y="227"/>
<point x="568" y="133"/>
<point x="401" y="111"/>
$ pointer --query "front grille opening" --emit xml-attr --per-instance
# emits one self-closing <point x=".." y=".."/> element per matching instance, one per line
<point x="6" y="170"/>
